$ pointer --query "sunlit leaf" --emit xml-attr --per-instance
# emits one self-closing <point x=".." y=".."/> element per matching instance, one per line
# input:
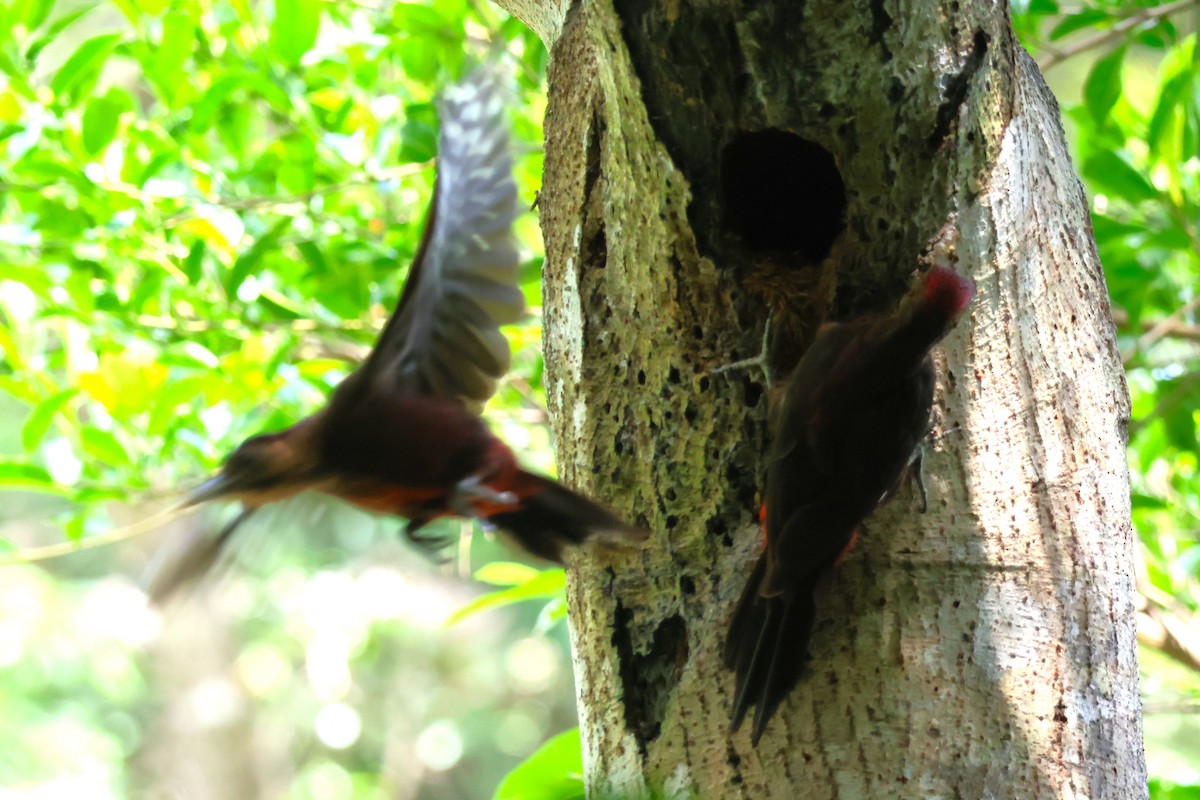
<point x="548" y="583"/>
<point x="104" y="447"/>
<point x="294" y="29"/>
<point x="84" y="63"/>
<point x="1087" y="18"/>
<point x="178" y="35"/>
<point x="553" y="772"/>
<point x="36" y="425"/>
<point x="1170" y="95"/>
<point x="248" y="260"/>
<point x="506" y="573"/>
<point x="27" y="476"/>
<point x="1103" y="86"/>
<point x="100" y="120"/>
<point x="50" y="32"/>
<point x="1117" y="176"/>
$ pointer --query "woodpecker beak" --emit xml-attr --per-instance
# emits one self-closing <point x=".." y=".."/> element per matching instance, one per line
<point x="217" y="486"/>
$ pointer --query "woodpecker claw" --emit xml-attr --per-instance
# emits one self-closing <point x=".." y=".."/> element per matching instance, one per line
<point x="760" y="360"/>
<point x="916" y="472"/>
<point x="473" y="489"/>
<point x="431" y="543"/>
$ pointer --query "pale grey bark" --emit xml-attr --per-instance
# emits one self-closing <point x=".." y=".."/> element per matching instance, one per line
<point x="985" y="648"/>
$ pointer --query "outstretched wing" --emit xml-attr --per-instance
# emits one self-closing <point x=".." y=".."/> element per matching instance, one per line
<point x="444" y="337"/>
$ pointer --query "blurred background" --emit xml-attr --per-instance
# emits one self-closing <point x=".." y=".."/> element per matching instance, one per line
<point x="206" y="213"/>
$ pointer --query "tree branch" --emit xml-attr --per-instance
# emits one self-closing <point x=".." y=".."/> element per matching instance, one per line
<point x="1165" y="631"/>
<point x="1168" y="327"/>
<point x="1102" y="38"/>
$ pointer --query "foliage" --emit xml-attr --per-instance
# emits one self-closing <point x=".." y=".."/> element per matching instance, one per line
<point x="523" y="582"/>
<point x="206" y="209"/>
<point x="554" y="772"/>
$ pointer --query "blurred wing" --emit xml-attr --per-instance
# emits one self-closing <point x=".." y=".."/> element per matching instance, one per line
<point x="444" y="338"/>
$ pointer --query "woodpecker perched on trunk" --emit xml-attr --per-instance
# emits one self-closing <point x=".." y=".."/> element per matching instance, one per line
<point x="855" y="408"/>
<point x="402" y="435"/>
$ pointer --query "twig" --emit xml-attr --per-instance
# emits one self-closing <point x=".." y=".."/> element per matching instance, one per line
<point x="1158" y="627"/>
<point x="295" y="326"/>
<point x="300" y="198"/>
<point x="1115" y="32"/>
<point x="1169" y="325"/>
<point x="29" y="555"/>
<point x="1172" y="330"/>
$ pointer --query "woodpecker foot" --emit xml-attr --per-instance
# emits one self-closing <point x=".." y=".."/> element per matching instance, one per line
<point x="472" y="490"/>
<point x="760" y="360"/>
<point x="914" y="470"/>
<point x="429" y="542"/>
<point x="916" y="473"/>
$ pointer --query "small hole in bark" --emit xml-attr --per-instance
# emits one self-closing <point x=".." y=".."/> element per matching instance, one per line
<point x="782" y="193"/>
<point x="687" y="585"/>
<point x="641" y="378"/>
<point x="753" y="392"/>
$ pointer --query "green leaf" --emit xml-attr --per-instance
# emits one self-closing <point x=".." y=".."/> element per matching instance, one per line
<point x="1107" y="229"/>
<point x="506" y="573"/>
<point x="1170" y="95"/>
<point x="553" y="772"/>
<point x="1118" y="178"/>
<point x="1180" y="425"/>
<point x="36" y="425"/>
<point x="546" y="584"/>
<point x="27" y="476"/>
<point x="100" y="120"/>
<point x="294" y="29"/>
<point x="193" y="265"/>
<point x="52" y="30"/>
<point x="1103" y="86"/>
<point x="84" y="63"/>
<point x="223" y="89"/>
<point x="1148" y="502"/>
<point x="37" y="11"/>
<point x="249" y="259"/>
<point x="1087" y="18"/>
<point x="1165" y="790"/>
<point x="104" y="447"/>
<point x="311" y="252"/>
<point x="178" y="41"/>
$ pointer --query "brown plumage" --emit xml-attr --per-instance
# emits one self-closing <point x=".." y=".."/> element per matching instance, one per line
<point x="402" y="435"/>
<point x="855" y="408"/>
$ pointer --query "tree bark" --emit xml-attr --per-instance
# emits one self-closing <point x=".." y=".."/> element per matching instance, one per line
<point x="985" y="648"/>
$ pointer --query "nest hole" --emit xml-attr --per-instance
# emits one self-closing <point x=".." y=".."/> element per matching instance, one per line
<point x="782" y="194"/>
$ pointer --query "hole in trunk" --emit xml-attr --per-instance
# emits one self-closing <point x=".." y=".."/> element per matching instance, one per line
<point x="782" y="193"/>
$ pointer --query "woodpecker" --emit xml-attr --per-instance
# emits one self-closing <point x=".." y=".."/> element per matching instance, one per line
<point x="854" y="410"/>
<point x="402" y="434"/>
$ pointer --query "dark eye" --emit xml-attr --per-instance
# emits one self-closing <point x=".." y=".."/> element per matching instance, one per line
<point x="239" y="459"/>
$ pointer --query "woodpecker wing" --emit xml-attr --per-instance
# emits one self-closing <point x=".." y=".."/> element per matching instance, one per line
<point x="444" y="337"/>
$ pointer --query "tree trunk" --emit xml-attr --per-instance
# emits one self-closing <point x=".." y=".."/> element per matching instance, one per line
<point x="985" y="648"/>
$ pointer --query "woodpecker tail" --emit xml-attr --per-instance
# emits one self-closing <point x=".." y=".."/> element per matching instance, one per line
<point x="767" y="647"/>
<point x="550" y="517"/>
